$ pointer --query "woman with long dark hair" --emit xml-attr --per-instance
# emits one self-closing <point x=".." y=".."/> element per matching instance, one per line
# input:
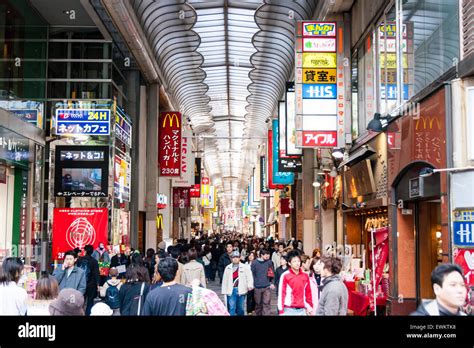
<point x="133" y="293"/>
<point x="12" y="297"/>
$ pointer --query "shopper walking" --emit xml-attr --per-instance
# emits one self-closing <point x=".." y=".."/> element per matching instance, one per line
<point x="90" y="266"/>
<point x="262" y="271"/>
<point x="12" y="297"/>
<point x="276" y="257"/>
<point x="236" y="283"/>
<point x="334" y="294"/>
<point x="193" y="270"/>
<point x="133" y="293"/>
<point x="69" y="276"/>
<point x="225" y="259"/>
<point x="450" y="290"/>
<point x="279" y="271"/>
<point x="110" y="291"/>
<point x="171" y="298"/>
<point x="294" y="291"/>
<point x="251" y="294"/>
<point x="206" y="258"/>
<point x="47" y="290"/>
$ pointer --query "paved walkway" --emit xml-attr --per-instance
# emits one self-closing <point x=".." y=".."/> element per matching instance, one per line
<point x="215" y="286"/>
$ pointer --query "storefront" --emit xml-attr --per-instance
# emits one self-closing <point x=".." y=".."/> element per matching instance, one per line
<point x="21" y="176"/>
<point x="365" y="224"/>
<point x="419" y="238"/>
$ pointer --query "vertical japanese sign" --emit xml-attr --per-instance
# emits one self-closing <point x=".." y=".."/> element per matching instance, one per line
<point x="170" y="144"/>
<point x="290" y="121"/>
<point x="23" y="212"/>
<point x="286" y="163"/>
<point x="205" y="189"/>
<point x="282" y="178"/>
<point x="122" y="174"/>
<point x="318" y="85"/>
<point x="264" y="191"/>
<point x="187" y="162"/>
<point x="197" y="171"/>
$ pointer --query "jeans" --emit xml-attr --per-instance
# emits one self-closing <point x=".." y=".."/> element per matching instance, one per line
<point x="235" y="303"/>
<point x="294" y="311"/>
<point x="262" y="301"/>
<point x="207" y="271"/>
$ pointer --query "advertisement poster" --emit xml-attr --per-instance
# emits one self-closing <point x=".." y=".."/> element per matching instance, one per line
<point x="465" y="258"/>
<point x="282" y="178"/>
<point x="78" y="227"/>
<point x="123" y="128"/>
<point x="122" y="179"/>
<point x="169" y="145"/>
<point x="181" y="197"/>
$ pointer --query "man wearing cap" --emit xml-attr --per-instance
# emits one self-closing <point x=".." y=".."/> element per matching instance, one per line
<point x="69" y="302"/>
<point x="237" y="281"/>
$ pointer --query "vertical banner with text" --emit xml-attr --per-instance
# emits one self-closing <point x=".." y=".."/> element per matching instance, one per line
<point x="169" y="144"/>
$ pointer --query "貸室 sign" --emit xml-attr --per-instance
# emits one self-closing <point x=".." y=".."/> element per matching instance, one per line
<point x="82" y="122"/>
<point x="463" y="228"/>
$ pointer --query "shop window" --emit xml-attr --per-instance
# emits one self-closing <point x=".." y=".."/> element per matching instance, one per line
<point x="433" y="30"/>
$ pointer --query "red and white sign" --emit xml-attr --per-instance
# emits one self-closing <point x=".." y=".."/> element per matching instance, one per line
<point x="181" y="197"/>
<point x="205" y="181"/>
<point x="78" y="227"/>
<point x="465" y="258"/>
<point x="170" y="144"/>
<point x="187" y="162"/>
<point x="320" y="139"/>
<point x="195" y="191"/>
<point x="161" y="201"/>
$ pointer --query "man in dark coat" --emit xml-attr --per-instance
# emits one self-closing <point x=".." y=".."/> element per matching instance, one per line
<point x="92" y="278"/>
<point x="69" y="276"/>
<point x="225" y="259"/>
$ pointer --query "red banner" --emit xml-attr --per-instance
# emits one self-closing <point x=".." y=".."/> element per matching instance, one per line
<point x="465" y="258"/>
<point x="285" y="206"/>
<point x="169" y="144"/>
<point x="271" y="185"/>
<point x="319" y="138"/>
<point x="78" y="227"/>
<point x="381" y="252"/>
<point x="181" y="197"/>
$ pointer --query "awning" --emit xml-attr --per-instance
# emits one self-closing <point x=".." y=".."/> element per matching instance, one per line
<point x="362" y="153"/>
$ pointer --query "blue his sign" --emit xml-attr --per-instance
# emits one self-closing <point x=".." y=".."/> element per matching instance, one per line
<point x="319" y="91"/>
<point x="463" y="232"/>
<point x="82" y="122"/>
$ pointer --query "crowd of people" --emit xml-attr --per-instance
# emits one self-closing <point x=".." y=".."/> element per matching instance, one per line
<point x="173" y="281"/>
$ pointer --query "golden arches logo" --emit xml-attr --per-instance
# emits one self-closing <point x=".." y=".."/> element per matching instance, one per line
<point x="159" y="221"/>
<point x="428" y="121"/>
<point x="171" y="118"/>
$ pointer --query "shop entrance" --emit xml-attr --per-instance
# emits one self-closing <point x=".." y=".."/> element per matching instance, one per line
<point x="428" y="239"/>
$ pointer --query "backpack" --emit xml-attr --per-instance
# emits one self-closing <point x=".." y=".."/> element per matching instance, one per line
<point x="112" y="297"/>
<point x="84" y="265"/>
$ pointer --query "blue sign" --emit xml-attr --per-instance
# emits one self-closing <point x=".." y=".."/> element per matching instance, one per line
<point x="30" y="116"/>
<point x="82" y="122"/>
<point x="463" y="232"/>
<point x="279" y="178"/>
<point x="392" y="91"/>
<point x="319" y="91"/>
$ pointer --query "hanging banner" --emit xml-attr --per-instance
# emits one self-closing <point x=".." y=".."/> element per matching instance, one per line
<point x="123" y="127"/>
<point x="170" y="144"/>
<point x="78" y="227"/>
<point x="264" y="190"/>
<point x="283" y="178"/>
<point x="181" y="198"/>
<point x="381" y="252"/>
<point x="187" y="162"/>
<point x="195" y="191"/>
<point x="122" y="175"/>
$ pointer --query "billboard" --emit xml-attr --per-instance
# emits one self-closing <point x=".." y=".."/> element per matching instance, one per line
<point x="82" y="122"/>
<point x="81" y="171"/>
<point x="169" y="146"/>
<point x="78" y="227"/>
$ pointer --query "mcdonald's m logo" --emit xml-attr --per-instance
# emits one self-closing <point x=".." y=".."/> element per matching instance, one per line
<point x="159" y="221"/>
<point x="428" y="122"/>
<point x="171" y="117"/>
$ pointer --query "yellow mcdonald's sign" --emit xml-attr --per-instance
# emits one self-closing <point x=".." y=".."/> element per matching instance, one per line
<point x="428" y="122"/>
<point x="171" y="117"/>
<point x="159" y="221"/>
